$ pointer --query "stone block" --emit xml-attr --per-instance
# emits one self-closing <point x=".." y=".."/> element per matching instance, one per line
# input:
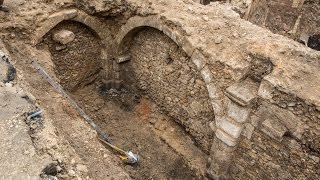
<point x="229" y="127"/>
<point x="217" y="106"/>
<point x="243" y="92"/>
<point x="174" y="35"/>
<point x="212" y="91"/>
<point x="196" y="107"/>
<point x="227" y="139"/>
<point x="3" y="70"/>
<point x="297" y="3"/>
<point x="198" y="59"/>
<point x="104" y="54"/>
<point x="123" y="58"/>
<point x="81" y="17"/>
<point x="237" y="112"/>
<point x="273" y="128"/>
<point x="55" y="18"/>
<point x="266" y="90"/>
<point x="206" y="75"/>
<point x="117" y="75"/>
<point x="70" y="13"/>
<point x="292" y="122"/>
<point x="65" y="14"/>
<point x="63" y="36"/>
<point x="248" y="130"/>
<point x="187" y="46"/>
<point x="221" y="156"/>
<point x="7" y="71"/>
<point x="213" y="126"/>
<point x="96" y="25"/>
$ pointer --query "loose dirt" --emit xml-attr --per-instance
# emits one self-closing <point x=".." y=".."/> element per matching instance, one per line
<point x="130" y="122"/>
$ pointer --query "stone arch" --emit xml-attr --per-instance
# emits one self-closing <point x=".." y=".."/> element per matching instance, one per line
<point x="73" y="15"/>
<point x="70" y="14"/>
<point x="135" y="24"/>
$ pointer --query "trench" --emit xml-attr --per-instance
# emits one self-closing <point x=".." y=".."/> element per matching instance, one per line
<point x="130" y="118"/>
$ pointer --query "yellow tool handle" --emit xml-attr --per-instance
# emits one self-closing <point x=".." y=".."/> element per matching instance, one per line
<point x="113" y="146"/>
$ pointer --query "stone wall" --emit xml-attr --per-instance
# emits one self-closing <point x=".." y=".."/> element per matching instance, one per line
<point x="164" y="72"/>
<point x="77" y="60"/>
<point x="281" y="141"/>
<point x="259" y="84"/>
<point x="244" y="68"/>
<point x="290" y="18"/>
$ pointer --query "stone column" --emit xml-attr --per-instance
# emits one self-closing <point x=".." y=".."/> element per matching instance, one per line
<point x="228" y="127"/>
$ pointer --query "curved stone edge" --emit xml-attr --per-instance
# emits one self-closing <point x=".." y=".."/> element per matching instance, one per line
<point x="73" y="15"/>
<point x="225" y="135"/>
<point x="69" y="14"/>
<point x="127" y="31"/>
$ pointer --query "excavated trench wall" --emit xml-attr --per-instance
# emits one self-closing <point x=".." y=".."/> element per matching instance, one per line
<point x="262" y="87"/>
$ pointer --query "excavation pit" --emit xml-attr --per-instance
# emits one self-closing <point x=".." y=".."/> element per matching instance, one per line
<point x="122" y="108"/>
<point x="194" y="90"/>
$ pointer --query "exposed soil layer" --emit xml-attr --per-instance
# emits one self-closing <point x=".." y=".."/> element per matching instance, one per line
<point x="130" y="124"/>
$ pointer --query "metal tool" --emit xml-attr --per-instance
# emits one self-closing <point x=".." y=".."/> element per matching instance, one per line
<point x="127" y="156"/>
<point x="34" y="114"/>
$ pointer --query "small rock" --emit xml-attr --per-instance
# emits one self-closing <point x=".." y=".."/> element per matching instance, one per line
<point x="30" y="97"/>
<point x="71" y="173"/>
<point x="283" y="105"/>
<point x="235" y="35"/>
<point x="64" y="37"/>
<point x="293" y="144"/>
<point x="60" y="48"/>
<point x="153" y="120"/>
<point x="50" y="169"/>
<point x="33" y="126"/>
<point x="26" y="152"/>
<point x="9" y="84"/>
<point x="205" y="18"/>
<point x="82" y="168"/>
<point x="315" y="159"/>
<point x="63" y="176"/>
<point x="59" y="169"/>
<point x="73" y="161"/>
<point x="292" y="104"/>
<point x="52" y="178"/>
<point x="213" y="126"/>
<point x="218" y="40"/>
